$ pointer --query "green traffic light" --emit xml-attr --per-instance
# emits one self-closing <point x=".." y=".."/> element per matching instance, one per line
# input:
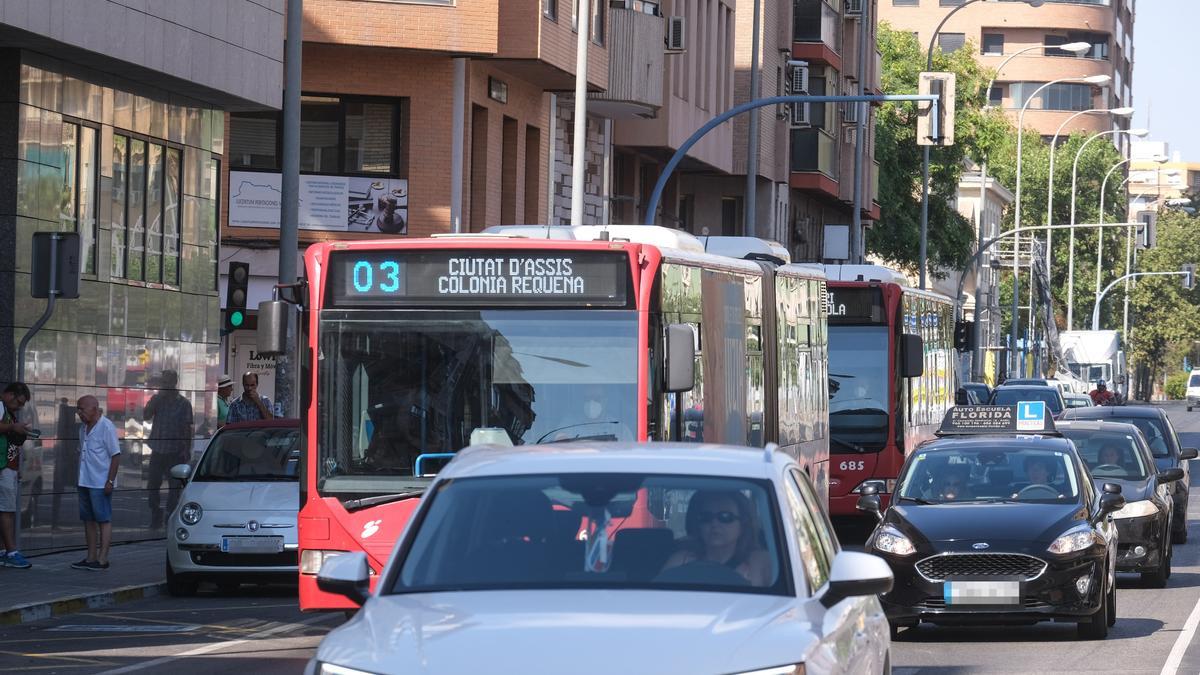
<point x="236" y="319"/>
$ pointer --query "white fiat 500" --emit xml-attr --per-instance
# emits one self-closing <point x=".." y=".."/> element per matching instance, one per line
<point x="614" y="558"/>
<point x="236" y="519"/>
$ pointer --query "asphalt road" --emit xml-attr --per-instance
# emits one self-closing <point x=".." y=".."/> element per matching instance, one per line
<point x="1149" y="621"/>
<point x="257" y="631"/>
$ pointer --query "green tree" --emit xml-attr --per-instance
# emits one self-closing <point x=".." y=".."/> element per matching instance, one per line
<point x="1164" y="319"/>
<point x="895" y="238"/>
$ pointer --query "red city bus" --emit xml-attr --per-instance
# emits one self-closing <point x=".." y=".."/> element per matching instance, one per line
<point x="414" y="349"/>
<point x="883" y="403"/>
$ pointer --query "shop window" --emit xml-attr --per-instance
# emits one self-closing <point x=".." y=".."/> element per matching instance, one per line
<point x="338" y="135"/>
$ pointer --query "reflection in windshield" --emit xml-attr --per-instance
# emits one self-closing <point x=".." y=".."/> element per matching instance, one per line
<point x="251" y="454"/>
<point x="406" y="384"/>
<point x="858" y="382"/>
<point x="1152" y="430"/>
<point x="989" y="474"/>
<point x="1015" y="395"/>
<point x="595" y="531"/>
<point x="1109" y="455"/>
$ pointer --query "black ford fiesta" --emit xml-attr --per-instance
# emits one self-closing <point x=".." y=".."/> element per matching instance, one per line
<point x="1117" y="453"/>
<point x="991" y="525"/>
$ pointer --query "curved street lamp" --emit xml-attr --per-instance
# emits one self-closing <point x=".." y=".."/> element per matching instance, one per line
<point x="1140" y="133"/>
<point x="1100" y="231"/>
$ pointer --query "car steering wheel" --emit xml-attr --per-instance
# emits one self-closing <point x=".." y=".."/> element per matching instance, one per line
<point x="703" y="572"/>
<point x="1036" y="487"/>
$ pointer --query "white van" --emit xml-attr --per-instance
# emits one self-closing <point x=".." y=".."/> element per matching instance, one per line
<point x="1193" y="389"/>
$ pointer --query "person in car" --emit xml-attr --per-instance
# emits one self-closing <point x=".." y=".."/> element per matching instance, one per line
<point x="1101" y="395"/>
<point x="1110" y="455"/>
<point x="721" y="529"/>
<point x="953" y="485"/>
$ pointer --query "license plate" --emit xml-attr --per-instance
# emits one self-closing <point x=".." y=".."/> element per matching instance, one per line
<point x="982" y="592"/>
<point x="251" y="544"/>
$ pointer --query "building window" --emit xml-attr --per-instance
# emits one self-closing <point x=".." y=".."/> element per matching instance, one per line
<point x="339" y="135"/>
<point x="550" y="9"/>
<point x="905" y="3"/>
<point x="950" y="3"/>
<point x="996" y="96"/>
<point x="1067" y="96"/>
<point x="993" y="44"/>
<point x="951" y="42"/>
<point x="815" y="21"/>
<point x="77" y="204"/>
<point x="145" y="210"/>
<point x="1098" y="42"/>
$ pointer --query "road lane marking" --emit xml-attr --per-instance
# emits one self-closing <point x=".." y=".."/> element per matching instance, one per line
<point x="55" y="657"/>
<point x="1171" y="667"/>
<point x="122" y="628"/>
<point x="215" y="646"/>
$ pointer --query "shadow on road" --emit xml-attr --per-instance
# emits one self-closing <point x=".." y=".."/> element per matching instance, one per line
<point x="1125" y="629"/>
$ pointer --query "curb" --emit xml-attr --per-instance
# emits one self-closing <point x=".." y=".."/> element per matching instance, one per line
<point x="38" y="611"/>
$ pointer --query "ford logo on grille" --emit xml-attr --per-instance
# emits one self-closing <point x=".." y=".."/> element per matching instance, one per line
<point x="980" y="546"/>
<point x="253" y="525"/>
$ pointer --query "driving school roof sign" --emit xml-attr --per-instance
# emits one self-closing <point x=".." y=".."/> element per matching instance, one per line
<point x="1025" y="417"/>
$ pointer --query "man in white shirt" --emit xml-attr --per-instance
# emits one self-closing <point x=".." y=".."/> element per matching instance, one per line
<point x="99" y="458"/>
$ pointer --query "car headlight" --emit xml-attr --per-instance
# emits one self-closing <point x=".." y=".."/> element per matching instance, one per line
<point x="191" y="513"/>
<point x="312" y="559"/>
<point x="890" y="540"/>
<point x="1071" y="541"/>
<point x="795" y="669"/>
<point x="330" y="669"/>
<point x="1137" y="509"/>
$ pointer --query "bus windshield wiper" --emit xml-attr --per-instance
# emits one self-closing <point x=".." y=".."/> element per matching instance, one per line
<point x="364" y="502"/>
<point x="848" y="444"/>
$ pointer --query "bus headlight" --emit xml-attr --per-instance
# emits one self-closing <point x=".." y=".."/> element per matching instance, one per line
<point x="311" y="560"/>
<point x="191" y="513"/>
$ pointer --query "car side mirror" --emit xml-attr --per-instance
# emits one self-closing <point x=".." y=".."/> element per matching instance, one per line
<point x="1170" y="475"/>
<point x="681" y="357"/>
<point x="1188" y="453"/>
<point x="869" y="502"/>
<point x="347" y="575"/>
<point x="961" y="397"/>
<point x="912" y="356"/>
<point x="181" y="472"/>
<point x="1110" y="502"/>
<point x="856" y="574"/>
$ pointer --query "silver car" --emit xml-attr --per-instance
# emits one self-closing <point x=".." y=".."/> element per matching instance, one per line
<point x="236" y="518"/>
<point x="614" y="558"/>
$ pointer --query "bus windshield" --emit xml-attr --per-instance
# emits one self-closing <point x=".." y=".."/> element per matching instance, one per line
<point x="396" y="385"/>
<point x="858" y="387"/>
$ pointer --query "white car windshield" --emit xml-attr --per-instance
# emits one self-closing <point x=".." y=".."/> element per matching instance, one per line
<point x="254" y="454"/>
<point x="598" y="531"/>
<point x="989" y="474"/>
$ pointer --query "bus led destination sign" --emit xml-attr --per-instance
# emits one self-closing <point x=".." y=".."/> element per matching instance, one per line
<point x="854" y="305"/>
<point x="559" y="278"/>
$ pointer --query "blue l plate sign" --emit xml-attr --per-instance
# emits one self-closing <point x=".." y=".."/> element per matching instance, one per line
<point x="1031" y="415"/>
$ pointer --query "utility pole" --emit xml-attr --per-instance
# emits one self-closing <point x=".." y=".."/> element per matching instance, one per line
<point x="290" y="193"/>
<point x="856" y="231"/>
<point x="583" y="10"/>
<point x="749" y="226"/>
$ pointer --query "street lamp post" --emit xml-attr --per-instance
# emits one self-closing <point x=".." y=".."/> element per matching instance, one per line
<point x="924" y="242"/>
<point x="1092" y="79"/>
<point x="1160" y="159"/>
<point x="1140" y="133"/>
<point x="1100" y="232"/>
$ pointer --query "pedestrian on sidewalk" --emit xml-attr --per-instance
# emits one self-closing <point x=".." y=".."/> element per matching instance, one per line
<point x="170" y="415"/>
<point x="224" y="391"/>
<point x="250" y="406"/>
<point x="99" y="458"/>
<point x="12" y="437"/>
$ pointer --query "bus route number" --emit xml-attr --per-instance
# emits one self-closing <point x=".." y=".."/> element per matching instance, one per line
<point x="853" y="466"/>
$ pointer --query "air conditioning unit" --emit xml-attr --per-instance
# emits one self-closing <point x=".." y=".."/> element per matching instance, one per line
<point x="676" y="34"/>
<point x="854" y="7"/>
<point x="799" y="115"/>
<point x="798" y="82"/>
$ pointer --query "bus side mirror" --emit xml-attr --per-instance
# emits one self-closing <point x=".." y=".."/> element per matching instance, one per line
<point x="681" y="357"/>
<point x="912" y="356"/>
<point x="272" y="327"/>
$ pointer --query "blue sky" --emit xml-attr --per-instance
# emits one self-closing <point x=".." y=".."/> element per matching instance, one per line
<point x="1164" y="90"/>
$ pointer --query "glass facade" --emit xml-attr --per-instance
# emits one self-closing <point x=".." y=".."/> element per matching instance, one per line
<point x="132" y="169"/>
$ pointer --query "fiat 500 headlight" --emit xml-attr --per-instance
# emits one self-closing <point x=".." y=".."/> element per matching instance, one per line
<point x="191" y="513"/>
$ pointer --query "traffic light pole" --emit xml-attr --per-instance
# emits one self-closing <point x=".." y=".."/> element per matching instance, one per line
<point x="290" y="192"/>
<point x="669" y="169"/>
<point x="1096" y="309"/>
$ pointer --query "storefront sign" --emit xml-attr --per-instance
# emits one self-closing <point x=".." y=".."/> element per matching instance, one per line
<point x="328" y="203"/>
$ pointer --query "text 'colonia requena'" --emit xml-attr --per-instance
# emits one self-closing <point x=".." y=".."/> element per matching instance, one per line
<point x="510" y="276"/>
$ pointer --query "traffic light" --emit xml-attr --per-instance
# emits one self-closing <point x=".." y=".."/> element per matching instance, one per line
<point x="1147" y="232"/>
<point x="1189" y="276"/>
<point x="964" y="334"/>
<point x="235" y="295"/>
<point x="936" y="129"/>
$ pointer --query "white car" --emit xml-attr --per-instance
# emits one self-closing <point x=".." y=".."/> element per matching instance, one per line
<point x="236" y="518"/>
<point x="614" y="558"/>
<point x="1193" y="389"/>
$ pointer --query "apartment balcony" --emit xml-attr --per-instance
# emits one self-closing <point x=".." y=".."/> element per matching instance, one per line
<point x="817" y="32"/>
<point x="814" y="161"/>
<point x="537" y="43"/>
<point x="635" y="65"/>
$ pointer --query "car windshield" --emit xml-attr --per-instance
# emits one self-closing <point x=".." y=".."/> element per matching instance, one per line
<point x="980" y="473"/>
<point x="858" y="410"/>
<point x="1194" y="381"/>
<point x="1078" y="402"/>
<point x="598" y="531"/>
<point x="252" y="454"/>
<point x="1109" y="455"/>
<point x="1153" y="431"/>
<point x="403" y="390"/>
<point x="1015" y="395"/>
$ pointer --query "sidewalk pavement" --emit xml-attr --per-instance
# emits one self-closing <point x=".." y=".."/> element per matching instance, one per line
<point x="52" y="588"/>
